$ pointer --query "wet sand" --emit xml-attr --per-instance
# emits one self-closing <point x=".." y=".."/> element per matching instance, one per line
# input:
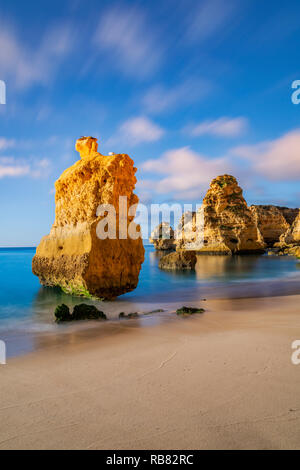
<point x="222" y="380"/>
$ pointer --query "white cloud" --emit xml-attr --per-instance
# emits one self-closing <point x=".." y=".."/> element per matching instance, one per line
<point x="209" y="18"/>
<point x="135" y="131"/>
<point x="6" y="143"/>
<point x="160" y="98"/>
<point x="185" y="172"/>
<point x="23" y="64"/>
<point x="222" y="127"/>
<point x="128" y="41"/>
<point x="277" y="160"/>
<point x="14" y="168"/>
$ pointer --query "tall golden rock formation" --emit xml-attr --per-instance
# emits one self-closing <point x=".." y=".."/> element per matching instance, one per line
<point x="228" y="225"/>
<point x="73" y="256"/>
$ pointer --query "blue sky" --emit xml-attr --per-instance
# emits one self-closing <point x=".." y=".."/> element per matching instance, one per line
<point x="189" y="89"/>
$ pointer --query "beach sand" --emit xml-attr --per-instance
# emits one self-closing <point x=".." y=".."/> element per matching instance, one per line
<point x="222" y="380"/>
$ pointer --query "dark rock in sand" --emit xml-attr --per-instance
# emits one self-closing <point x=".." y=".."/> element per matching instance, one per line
<point x="87" y="312"/>
<point x="189" y="311"/>
<point x="80" y="312"/>
<point x="62" y="313"/>
<point x="130" y="316"/>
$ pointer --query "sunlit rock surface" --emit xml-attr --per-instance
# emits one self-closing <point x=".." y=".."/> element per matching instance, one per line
<point x="271" y="223"/>
<point x="228" y="224"/>
<point x="178" y="261"/>
<point x="162" y="237"/>
<point x="292" y="236"/>
<point x="73" y="256"/>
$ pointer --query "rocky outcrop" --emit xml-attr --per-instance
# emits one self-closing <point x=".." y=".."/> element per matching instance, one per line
<point x="290" y="215"/>
<point x="73" y="256"/>
<point x="80" y="312"/>
<point x="292" y="236"/>
<point x="179" y="261"/>
<point x="271" y="223"/>
<point x="224" y="224"/>
<point x="162" y="237"/>
<point x="186" y="234"/>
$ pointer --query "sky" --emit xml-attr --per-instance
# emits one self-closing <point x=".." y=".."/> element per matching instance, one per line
<point x="189" y="89"/>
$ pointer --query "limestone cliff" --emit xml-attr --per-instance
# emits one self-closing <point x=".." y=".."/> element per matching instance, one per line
<point x="73" y="256"/>
<point x="271" y="223"/>
<point x="292" y="236"/>
<point x="162" y="237"/>
<point x="185" y="235"/>
<point x="228" y="225"/>
<point x="290" y="215"/>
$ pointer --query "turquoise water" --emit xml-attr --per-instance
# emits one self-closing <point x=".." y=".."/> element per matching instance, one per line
<point x="25" y="306"/>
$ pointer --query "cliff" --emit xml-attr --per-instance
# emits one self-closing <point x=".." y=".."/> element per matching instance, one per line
<point x="229" y="226"/>
<point x="162" y="237"/>
<point x="73" y="256"/>
<point x="290" y="215"/>
<point x="271" y="222"/>
<point x="186" y="235"/>
<point x="292" y="236"/>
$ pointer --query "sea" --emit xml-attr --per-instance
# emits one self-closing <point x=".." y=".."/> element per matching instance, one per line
<point x="27" y="308"/>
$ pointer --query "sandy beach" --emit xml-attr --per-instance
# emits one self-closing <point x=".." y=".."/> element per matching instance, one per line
<point x="222" y="380"/>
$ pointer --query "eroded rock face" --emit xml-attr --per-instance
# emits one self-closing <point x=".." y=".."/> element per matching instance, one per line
<point x="229" y="225"/>
<point x="271" y="222"/>
<point x="290" y="215"/>
<point x="73" y="256"/>
<point x="162" y="237"/>
<point x="186" y="234"/>
<point x="292" y="236"/>
<point x="179" y="261"/>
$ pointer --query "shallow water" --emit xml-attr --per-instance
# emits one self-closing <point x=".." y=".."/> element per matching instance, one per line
<point x="26" y="308"/>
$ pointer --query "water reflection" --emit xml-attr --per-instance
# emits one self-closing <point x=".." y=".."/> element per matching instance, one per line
<point x="209" y="267"/>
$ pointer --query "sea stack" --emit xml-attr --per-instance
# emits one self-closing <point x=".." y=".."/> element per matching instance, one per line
<point x="229" y="226"/>
<point x="73" y="256"/>
<point x="162" y="237"/>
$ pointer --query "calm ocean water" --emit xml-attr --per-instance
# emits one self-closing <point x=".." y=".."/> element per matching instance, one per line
<point x="27" y="308"/>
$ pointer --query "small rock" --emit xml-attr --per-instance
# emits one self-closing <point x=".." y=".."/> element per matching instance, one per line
<point x="130" y="316"/>
<point x="162" y="237"/>
<point x="62" y="313"/>
<point x="87" y="312"/>
<point x="178" y="261"/>
<point x="80" y="312"/>
<point x="189" y="311"/>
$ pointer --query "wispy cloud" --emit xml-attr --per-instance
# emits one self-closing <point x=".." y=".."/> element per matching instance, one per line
<point x="23" y="64"/>
<point x="185" y="172"/>
<point x="16" y="168"/>
<point x="222" y="127"/>
<point x="135" y="131"/>
<point x="277" y="160"/>
<point x="9" y="168"/>
<point x="6" y="143"/>
<point x="209" y="18"/>
<point x="160" y="98"/>
<point x="128" y="41"/>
